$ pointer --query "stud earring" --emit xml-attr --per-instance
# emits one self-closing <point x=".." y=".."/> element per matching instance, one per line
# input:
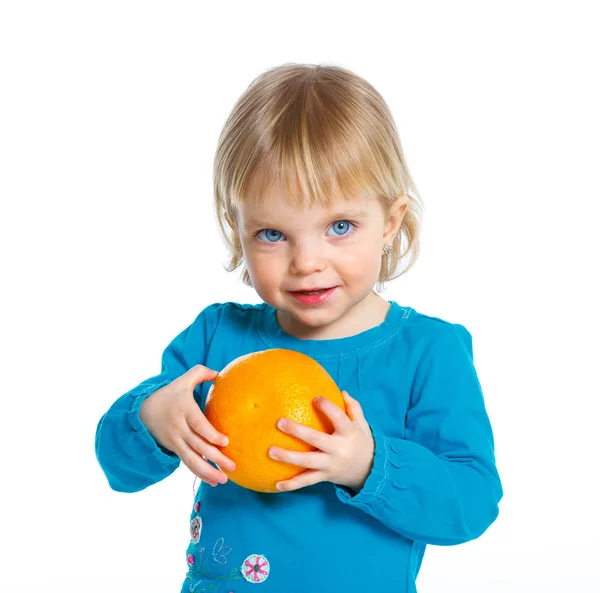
<point x="386" y="249"/>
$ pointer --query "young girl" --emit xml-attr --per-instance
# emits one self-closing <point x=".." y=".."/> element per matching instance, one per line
<point x="314" y="199"/>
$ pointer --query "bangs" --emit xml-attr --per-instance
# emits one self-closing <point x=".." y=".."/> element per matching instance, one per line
<point x="303" y="183"/>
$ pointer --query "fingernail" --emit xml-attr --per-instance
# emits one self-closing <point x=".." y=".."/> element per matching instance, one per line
<point x="281" y="423"/>
<point x="222" y="478"/>
<point x="272" y="453"/>
<point x="231" y="466"/>
<point x="225" y="441"/>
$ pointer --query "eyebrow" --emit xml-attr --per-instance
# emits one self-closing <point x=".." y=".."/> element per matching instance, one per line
<point x="339" y="215"/>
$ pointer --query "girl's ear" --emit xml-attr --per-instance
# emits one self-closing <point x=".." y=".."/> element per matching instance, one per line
<point x="394" y="219"/>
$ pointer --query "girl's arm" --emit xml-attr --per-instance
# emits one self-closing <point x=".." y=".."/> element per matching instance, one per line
<point x="127" y="453"/>
<point x="439" y="485"/>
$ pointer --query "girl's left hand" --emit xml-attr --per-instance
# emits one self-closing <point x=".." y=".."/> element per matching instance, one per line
<point x="344" y="457"/>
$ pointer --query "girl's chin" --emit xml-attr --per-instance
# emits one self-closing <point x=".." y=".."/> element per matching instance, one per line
<point x="307" y="317"/>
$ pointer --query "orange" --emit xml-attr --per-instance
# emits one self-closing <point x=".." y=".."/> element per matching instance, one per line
<point x="247" y="399"/>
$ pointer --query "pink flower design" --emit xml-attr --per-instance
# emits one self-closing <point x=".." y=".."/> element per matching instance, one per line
<point x="255" y="568"/>
<point x="190" y="560"/>
<point x="195" y="529"/>
<point x="197" y="507"/>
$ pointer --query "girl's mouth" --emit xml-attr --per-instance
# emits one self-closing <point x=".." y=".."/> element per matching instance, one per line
<point x="313" y="297"/>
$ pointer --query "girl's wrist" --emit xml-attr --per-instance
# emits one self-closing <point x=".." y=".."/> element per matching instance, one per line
<point x="358" y="483"/>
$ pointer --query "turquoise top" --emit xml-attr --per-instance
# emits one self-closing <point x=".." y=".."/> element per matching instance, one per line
<point x="433" y="481"/>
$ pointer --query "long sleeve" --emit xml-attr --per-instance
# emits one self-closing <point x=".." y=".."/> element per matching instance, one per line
<point x="439" y="485"/>
<point x="127" y="453"/>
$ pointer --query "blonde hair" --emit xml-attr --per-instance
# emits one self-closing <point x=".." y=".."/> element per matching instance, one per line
<point x="326" y="129"/>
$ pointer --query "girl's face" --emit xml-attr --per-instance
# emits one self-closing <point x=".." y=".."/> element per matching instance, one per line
<point x="288" y="249"/>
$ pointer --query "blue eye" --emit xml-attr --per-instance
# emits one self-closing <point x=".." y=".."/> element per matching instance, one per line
<point x="341" y="227"/>
<point x="270" y="234"/>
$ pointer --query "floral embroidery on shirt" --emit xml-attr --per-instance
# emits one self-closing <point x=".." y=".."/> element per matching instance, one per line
<point x="255" y="568"/>
<point x="196" y="529"/>
<point x="202" y="579"/>
<point x="220" y="551"/>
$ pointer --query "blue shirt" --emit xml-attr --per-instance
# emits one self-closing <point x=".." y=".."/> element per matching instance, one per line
<point x="433" y="481"/>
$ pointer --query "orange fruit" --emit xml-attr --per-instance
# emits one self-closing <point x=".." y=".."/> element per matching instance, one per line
<point x="250" y="395"/>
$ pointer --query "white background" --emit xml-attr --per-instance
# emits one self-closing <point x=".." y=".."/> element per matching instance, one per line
<point x="109" y="118"/>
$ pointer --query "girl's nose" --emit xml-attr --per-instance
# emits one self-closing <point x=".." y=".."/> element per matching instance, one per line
<point x="307" y="259"/>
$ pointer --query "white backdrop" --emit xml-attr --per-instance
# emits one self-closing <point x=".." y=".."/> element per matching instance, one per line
<point x="109" y="118"/>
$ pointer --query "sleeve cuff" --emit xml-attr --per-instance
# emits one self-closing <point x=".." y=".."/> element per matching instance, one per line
<point x="140" y="431"/>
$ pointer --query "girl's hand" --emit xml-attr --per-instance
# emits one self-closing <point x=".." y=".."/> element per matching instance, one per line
<point x="344" y="457"/>
<point x="174" y="419"/>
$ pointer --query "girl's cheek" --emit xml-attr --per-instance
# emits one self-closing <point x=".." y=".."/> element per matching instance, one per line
<point x="265" y="264"/>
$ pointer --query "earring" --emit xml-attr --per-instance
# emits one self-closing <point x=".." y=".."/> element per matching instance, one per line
<point x="386" y="249"/>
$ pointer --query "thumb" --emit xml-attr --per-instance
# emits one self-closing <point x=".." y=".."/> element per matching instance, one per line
<point x="198" y="374"/>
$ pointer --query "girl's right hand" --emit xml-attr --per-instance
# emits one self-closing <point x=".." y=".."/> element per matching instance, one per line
<point x="175" y="420"/>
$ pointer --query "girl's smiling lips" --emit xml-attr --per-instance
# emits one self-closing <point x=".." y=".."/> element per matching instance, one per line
<point x="312" y="296"/>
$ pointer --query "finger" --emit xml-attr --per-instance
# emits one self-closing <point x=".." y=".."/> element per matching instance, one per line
<point x="202" y="478"/>
<point x="341" y="423"/>
<point x="196" y="375"/>
<point x="307" y="478"/>
<point x="202" y="447"/>
<point x="353" y="407"/>
<point x="308" y="460"/>
<point x="199" y="466"/>
<point x="199" y="423"/>
<point x="316" y="438"/>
